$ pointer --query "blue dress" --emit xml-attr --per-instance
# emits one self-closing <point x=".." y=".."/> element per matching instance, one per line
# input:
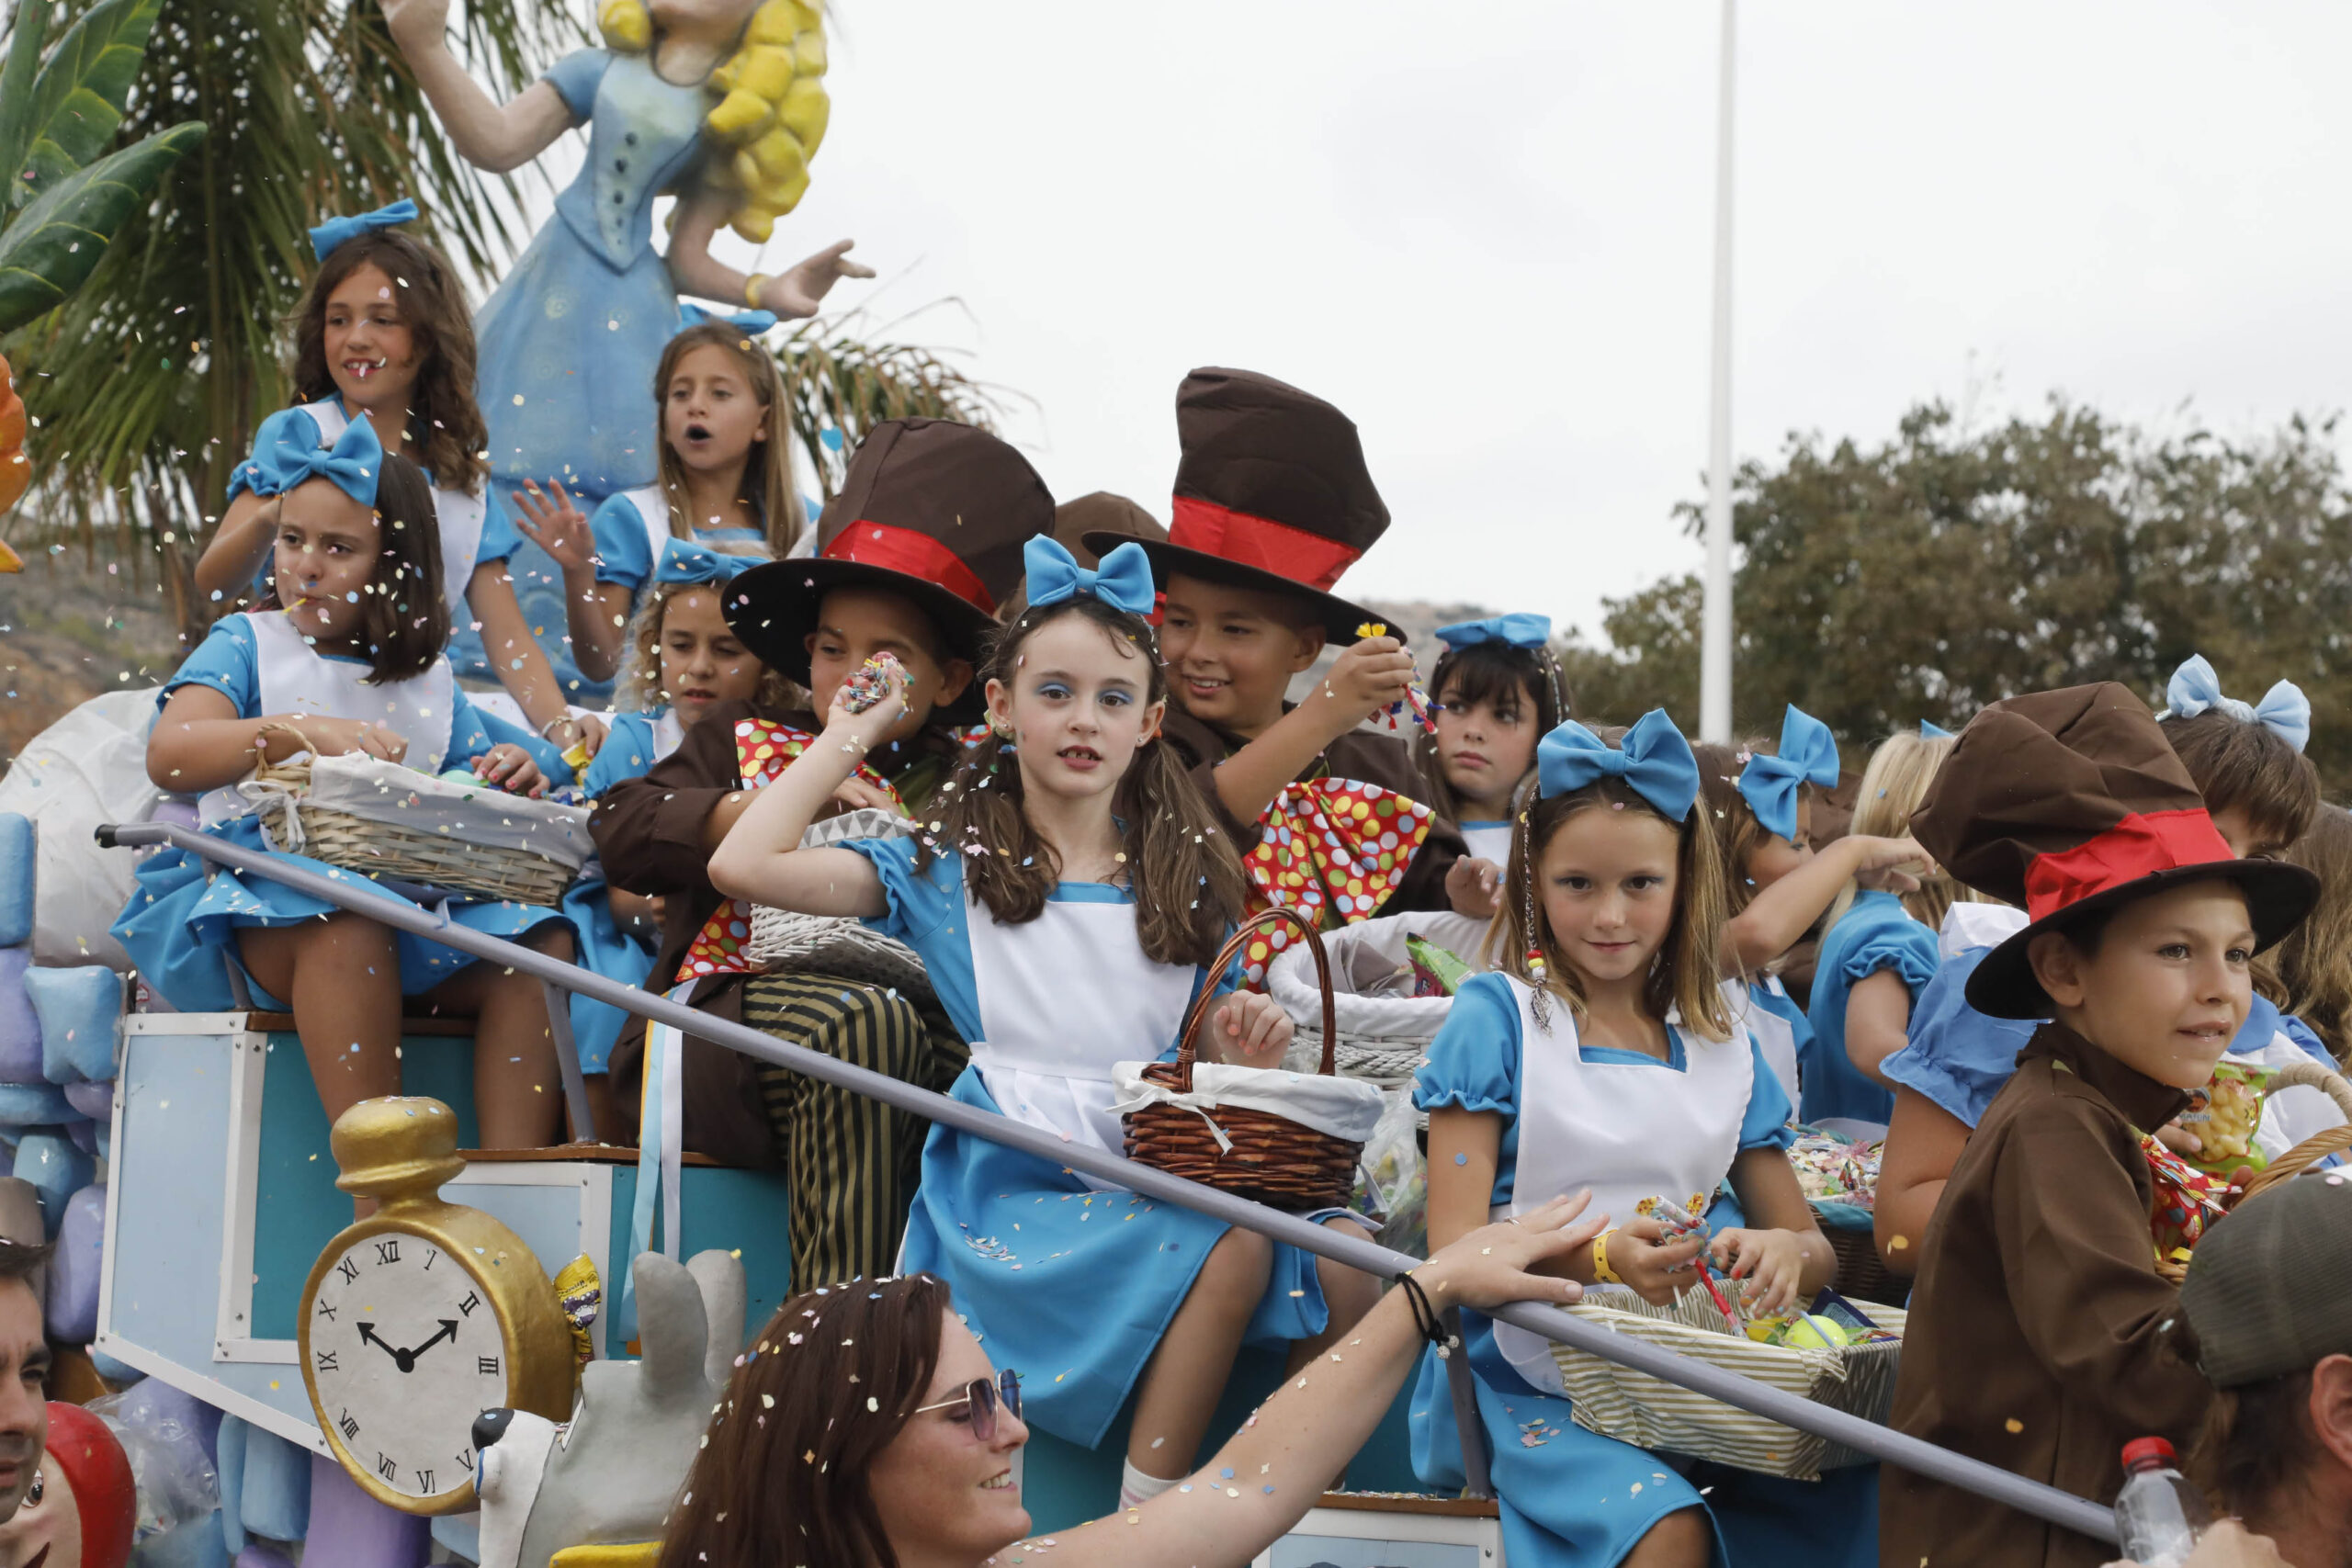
<point x="179" y="927"/>
<point x="570" y="342"/>
<point x="638" y="740"/>
<point x="1571" y="1498"/>
<point x="1070" y="1284"/>
<point x="1876" y="932"/>
<point x="626" y="552"/>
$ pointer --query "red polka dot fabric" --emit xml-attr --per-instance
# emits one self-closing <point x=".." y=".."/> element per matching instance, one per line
<point x="1334" y="850"/>
<point x="762" y="750"/>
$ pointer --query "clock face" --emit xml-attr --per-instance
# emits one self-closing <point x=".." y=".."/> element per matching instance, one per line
<point x="405" y="1350"/>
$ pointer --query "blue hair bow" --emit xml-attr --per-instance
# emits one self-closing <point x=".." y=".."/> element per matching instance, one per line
<point x="352" y="464"/>
<point x="1655" y="763"/>
<point x="1808" y="755"/>
<point x="750" y="323"/>
<point x="1929" y="730"/>
<point x="683" y="560"/>
<point x="1520" y="630"/>
<point x="2284" y="710"/>
<point x="338" y="230"/>
<point x="1124" y="581"/>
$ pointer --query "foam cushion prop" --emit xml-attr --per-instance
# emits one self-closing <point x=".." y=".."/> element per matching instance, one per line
<point x="275" y="1501"/>
<point x="19" y="1024"/>
<point x="81" y="1011"/>
<point x="196" y="1544"/>
<point x="84" y="1135"/>
<point x="230" y="1446"/>
<point x="72" y="1294"/>
<point x="95" y="1100"/>
<point x="26" y="1105"/>
<point x="351" y="1530"/>
<point x="122" y="1375"/>
<point x="19" y="859"/>
<point x="87" y="767"/>
<point x="57" y="1170"/>
<point x="259" y="1556"/>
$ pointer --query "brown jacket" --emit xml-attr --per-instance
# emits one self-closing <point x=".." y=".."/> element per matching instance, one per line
<point x="1381" y="760"/>
<point x="649" y="834"/>
<point x="2036" y="1340"/>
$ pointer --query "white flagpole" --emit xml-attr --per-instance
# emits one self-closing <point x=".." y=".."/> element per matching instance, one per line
<point x="1714" y="664"/>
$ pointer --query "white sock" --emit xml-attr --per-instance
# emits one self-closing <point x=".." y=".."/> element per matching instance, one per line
<point x="1136" y="1488"/>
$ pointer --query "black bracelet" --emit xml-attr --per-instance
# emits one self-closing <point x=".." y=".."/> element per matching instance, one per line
<point x="1427" y="1318"/>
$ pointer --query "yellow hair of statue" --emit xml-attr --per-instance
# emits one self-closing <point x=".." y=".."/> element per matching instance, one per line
<point x="772" y="107"/>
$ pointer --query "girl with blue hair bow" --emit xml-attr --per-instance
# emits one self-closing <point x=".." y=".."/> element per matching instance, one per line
<point x="1601" y="1053"/>
<point x="352" y="663"/>
<point x="1496" y="691"/>
<point x="1067" y="903"/>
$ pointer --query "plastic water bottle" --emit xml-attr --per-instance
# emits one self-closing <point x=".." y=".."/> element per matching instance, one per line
<point x="2158" y="1515"/>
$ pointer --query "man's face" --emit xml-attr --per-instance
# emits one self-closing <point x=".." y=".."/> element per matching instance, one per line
<point x="23" y="1411"/>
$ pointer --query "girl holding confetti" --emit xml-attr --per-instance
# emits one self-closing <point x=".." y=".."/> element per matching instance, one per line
<point x="355" y="662"/>
<point x="1601" y="1052"/>
<point x="1070" y="844"/>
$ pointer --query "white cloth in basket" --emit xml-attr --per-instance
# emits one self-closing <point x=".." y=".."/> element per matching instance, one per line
<point x="399" y="797"/>
<point x="1346" y="1109"/>
<point x="1403" y="1020"/>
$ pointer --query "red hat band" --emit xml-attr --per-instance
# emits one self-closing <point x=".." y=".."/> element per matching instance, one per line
<point x="1306" y="558"/>
<point x="894" y="549"/>
<point x="2141" y="845"/>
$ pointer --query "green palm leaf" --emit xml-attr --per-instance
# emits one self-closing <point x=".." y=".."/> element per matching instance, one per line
<point x="17" y="90"/>
<point x="78" y="99"/>
<point x="59" y="240"/>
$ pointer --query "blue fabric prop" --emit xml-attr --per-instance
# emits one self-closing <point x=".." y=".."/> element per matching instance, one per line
<point x="33" y="1105"/>
<point x="72" y="1305"/>
<point x="336" y="232"/>
<point x="57" y="1170"/>
<point x="277" y="1494"/>
<point x="17" y="862"/>
<point x="683" y="561"/>
<point x="79" y="1010"/>
<point x="750" y="323"/>
<point x="196" y="1544"/>
<point x="1932" y="731"/>
<point x="1520" y="630"/>
<point x="122" y="1375"/>
<point x="2284" y="710"/>
<point x="351" y="464"/>
<point x="235" y="1433"/>
<point x="95" y="1100"/>
<point x="1655" y="763"/>
<point x="19" y="1024"/>
<point x="1123" y="581"/>
<point x="351" y="1530"/>
<point x="1808" y="755"/>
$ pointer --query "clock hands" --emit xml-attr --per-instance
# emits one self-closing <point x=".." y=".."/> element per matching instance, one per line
<point x="406" y="1359"/>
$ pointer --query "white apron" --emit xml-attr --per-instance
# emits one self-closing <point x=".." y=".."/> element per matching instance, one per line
<point x="1775" y="1037"/>
<point x="459" y="516"/>
<point x="1063" y="998"/>
<point x="294" y="678"/>
<point x="1489" y="841"/>
<point x="1627" y="1132"/>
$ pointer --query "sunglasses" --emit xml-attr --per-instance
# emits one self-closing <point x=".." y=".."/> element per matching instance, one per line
<point x="983" y="1398"/>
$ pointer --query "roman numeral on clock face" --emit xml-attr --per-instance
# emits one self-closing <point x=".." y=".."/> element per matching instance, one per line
<point x="347" y="1425"/>
<point x="486" y="1365"/>
<point x="424" y="1481"/>
<point x="388" y="1251"/>
<point x="348" y="1269"/>
<point x="385" y="1467"/>
<point x="466" y="1458"/>
<point x="327" y="1362"/>
<point x="473" y="1300"/>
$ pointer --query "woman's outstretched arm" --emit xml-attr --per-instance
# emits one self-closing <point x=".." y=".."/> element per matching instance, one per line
<point x="488" y="134"/>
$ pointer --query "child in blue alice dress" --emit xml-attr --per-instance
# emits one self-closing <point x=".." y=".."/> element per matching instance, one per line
<point x="1066" y="904"/>
<point x="354" y="663"/>
<point x="1601" y="1053"/>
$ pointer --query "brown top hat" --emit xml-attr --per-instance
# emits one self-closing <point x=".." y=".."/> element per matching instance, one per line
<point x="2070" y="802"/>
<point x="1272" y="493"/>
<point x="930" y="509"/>
<point x="1109" y="520"/>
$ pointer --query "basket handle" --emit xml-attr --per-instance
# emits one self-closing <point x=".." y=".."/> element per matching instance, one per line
<point x="1266" y="920"/>
<point x="2319" y="1146"/>
<point x="279" y="726"/>
<point x="2311" y="1075"/>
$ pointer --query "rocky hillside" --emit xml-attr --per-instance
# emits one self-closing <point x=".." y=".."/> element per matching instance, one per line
<point x="70" y="630"/>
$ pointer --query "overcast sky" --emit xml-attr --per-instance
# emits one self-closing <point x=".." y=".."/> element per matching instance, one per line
<point x="1484" y="231"/>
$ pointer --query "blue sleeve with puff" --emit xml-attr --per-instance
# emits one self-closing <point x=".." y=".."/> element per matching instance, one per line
<point x="1900" y="943"/>
<point x="225" y="661"/>
<point x="921" y="901"/>
<point x="499" y="539"/>
<point x="623" y="551"/>
<point x="1474" y="1061"/>
<point x="576" y="76"/>
<point x="1956" y="1056"/>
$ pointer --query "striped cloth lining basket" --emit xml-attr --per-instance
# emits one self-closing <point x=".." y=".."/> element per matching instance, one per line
<point x="1634" y="1407"/>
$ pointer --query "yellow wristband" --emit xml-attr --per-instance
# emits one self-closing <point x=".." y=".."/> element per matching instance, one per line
<point x="1602" y="1273"/>
<point x="751" y="290"/>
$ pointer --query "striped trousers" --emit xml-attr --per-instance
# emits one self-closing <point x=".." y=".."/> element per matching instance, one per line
<point x="853" y="1162"/>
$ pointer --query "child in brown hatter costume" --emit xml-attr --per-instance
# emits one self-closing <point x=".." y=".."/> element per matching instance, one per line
<point x="2035" y="1340"/>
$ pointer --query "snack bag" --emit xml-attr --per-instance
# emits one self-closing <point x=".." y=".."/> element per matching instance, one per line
<point x="2186" y="1200"/>
<point x="2232" y="1115"/>
<point x="1436" y="971"/>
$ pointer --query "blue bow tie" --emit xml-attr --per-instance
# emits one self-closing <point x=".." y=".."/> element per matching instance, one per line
<point x="750" y="323"/>
<point x="2284" y="710"/>
<point x="1520" y="630"/>
<point x="1808" y="755"/>
<point x="336" y="231"/>
<point x="1124" y="581"/>
<point x="352" y="463"/>
<point x="1655" y="763"/>
<point x="685" y="560"/>
<point x="1932" y="732"/>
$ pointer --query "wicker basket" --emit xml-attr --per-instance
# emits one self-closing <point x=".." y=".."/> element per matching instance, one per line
<point x="292" y="825"/>
<point x="1634" y="1408"/>
<point x="2304" y="1156"/>
<point x="1270" y="1160"/>
<point x="785" y="941"/>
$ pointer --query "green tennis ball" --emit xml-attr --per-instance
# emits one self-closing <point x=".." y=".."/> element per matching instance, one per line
<point x="1815" y="1332"/>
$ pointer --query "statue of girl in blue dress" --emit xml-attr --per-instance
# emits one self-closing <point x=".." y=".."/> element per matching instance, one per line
<point x="715" y="100"/>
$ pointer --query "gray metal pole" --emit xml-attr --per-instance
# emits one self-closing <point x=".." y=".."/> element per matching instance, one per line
<point x="2048" y="1503"/>
<point x="1714" y="614"/>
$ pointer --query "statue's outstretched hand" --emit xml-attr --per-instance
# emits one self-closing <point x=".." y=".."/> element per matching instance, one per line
<point x="802" y="290"/>
<point x="417" y="24"/>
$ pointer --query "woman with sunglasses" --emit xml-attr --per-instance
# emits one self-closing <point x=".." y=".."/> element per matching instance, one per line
<point x="867" y="1427"/>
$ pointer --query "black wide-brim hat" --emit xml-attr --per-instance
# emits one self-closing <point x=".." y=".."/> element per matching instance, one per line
<point x="931" y="510"/>
<point x="2070" y="803"/>
<point x="1271" y="495"/>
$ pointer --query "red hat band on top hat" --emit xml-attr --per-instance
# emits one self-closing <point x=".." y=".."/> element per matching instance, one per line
<point x="894" y="549"/>
<point x="2141" y="845"/>
<point x="1237" y="536"/>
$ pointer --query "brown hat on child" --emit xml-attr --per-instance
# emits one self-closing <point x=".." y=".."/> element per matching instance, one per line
<point x="930" y="509"/>
<point x="1272" y="493"/>
<point x="2070" y="802"/>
